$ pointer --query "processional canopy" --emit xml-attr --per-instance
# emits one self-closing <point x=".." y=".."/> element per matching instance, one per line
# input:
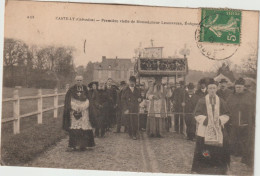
<point x="152" y="63"/>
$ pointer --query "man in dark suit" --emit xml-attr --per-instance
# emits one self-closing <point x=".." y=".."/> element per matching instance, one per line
<point x="130" y="99"/>
<point x="191" y="100"/>
<point x="120" y="115"/>
<point x="178" y="99"/>
<point x="111" y="93"/>
<point x="202" y="90"/>
<point x="224" y="92"/>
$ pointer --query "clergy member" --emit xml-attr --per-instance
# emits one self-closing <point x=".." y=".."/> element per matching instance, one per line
<point x="211" y="154"/>
<point x="242" y="109"/>
<point x="157" y="111"/>
<point x="76" y="119"/>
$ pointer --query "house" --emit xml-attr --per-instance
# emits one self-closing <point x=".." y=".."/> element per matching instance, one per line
<point x="119" y="69"/>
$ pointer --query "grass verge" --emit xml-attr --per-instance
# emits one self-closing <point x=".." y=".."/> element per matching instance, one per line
<point x="17" y="150"/>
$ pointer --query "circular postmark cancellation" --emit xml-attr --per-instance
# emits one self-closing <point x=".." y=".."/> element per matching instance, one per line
<point x="218" y="33"/>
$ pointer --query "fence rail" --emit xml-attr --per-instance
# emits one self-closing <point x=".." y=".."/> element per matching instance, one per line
<point x="39" y="112"/>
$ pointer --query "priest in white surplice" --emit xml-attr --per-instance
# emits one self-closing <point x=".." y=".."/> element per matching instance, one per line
<point x="211" y="154"/>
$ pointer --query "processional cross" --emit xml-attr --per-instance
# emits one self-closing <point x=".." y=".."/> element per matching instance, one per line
<point x="79" y="89"/>
<point x="79" y="93"/>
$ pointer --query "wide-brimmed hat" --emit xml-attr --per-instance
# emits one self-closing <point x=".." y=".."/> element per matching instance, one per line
<point x="240" y="81"/>
<point x="202" y="81"/>
<point x="132" y="78"/>
<point x="190" y="86"/>
<point x="212" y="81"/>
<point x="223" y="81"/>
<point x="122" y="83"/>
<point x="91" y="84"/>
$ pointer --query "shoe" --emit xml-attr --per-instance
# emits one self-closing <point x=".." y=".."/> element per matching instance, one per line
<point x="134" y="138"/>
<point x="159" y="136"/>
<point x="71" y="149"/>
<point x="188" y="138"/>
<point x="82" y="149"/>
<point x="90" y="148"/>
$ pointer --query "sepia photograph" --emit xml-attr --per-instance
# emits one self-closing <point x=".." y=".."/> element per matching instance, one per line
<point x="129" y="88"/>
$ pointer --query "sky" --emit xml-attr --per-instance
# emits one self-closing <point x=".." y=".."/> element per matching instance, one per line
<point x="44" y="24"/>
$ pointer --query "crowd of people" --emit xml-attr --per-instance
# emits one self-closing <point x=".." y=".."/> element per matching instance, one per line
<point x="219" y="118"/>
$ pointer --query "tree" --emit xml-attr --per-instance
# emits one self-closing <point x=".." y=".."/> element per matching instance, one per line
<point x="249" y="63"/>
<point x="15" y="55"/>
<point x="63" y="66"/>
<point x="89" y="71"/>
<point x="37" y="66"/>
<point x="80" y="70"/>
<point x="15" y="52"/>
<point x="40" y="62"/>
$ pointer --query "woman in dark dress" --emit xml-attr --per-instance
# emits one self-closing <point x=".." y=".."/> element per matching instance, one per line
<point x="100" y="103"/>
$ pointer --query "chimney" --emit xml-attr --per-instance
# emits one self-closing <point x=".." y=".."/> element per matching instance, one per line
<point x="103" y="58"/>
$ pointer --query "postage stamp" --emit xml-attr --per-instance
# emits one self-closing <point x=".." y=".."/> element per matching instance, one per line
<point x="220" y="26"/>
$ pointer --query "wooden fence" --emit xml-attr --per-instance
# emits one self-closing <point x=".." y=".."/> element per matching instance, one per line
<point x="16" y="108"/>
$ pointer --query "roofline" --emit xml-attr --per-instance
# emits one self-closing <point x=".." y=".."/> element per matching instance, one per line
<point x="118" y="59"/>
<point x="154" y="47"/>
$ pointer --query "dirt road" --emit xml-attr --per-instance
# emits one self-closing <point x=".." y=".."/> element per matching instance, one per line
<point x="117" y="152"/>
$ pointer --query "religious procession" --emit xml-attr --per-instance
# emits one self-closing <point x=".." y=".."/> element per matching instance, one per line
<point x="218" y="117"/>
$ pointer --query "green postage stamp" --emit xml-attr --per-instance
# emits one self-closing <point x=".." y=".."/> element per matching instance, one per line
<point x="220" y="26"/>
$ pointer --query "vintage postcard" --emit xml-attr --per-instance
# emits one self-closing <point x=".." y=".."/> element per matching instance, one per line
<point x="129" y="88"/>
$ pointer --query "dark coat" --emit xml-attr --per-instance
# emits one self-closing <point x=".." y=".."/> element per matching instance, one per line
<point x="102" y="102"/>
<point x="200" y="93"/>
<point x="224" y="94"/>
<point x="242" y="108"/>
<point x="241" y="103"/>
<point x="178" y="98"/>
<point x="72" y="92"/>
<point x="112" y="96"/>
<point x="95" y="103"/>
<point x="190" y="103"/>
<point x="129" y="100"/>
<point x="100" y="106"/>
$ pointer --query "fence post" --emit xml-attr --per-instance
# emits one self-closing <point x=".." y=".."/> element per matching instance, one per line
<point x="56" y="97"/>
<point x="16" y="112"/>
<point x="39" y="116"/>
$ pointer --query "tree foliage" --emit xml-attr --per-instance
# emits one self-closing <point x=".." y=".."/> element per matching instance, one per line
<point x="35" y="66"/>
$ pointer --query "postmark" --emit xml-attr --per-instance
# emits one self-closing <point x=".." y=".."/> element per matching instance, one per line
<point x="220" y="26"/>
<point x="218" y="35"/>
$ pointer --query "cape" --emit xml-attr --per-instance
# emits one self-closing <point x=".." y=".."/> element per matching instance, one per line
<point x="72" y="93"/>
